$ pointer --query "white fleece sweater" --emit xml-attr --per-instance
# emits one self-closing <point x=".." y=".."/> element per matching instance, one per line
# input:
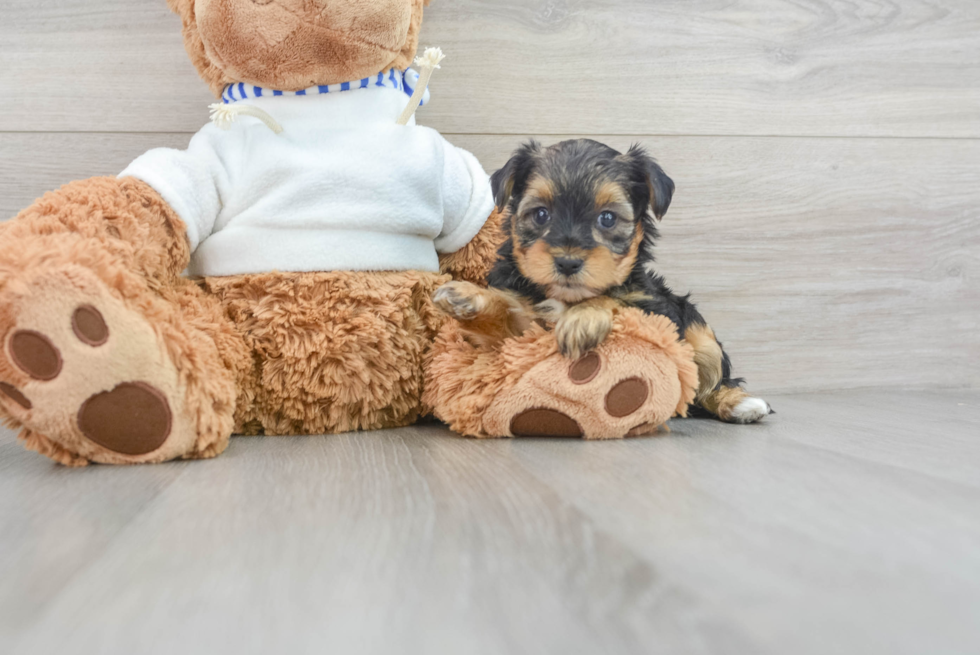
<point x="341" y="188"/>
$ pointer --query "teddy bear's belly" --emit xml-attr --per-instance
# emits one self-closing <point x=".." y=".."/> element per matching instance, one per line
<point x="332" y="352"/>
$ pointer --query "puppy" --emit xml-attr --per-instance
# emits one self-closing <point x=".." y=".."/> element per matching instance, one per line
<point x="582" y="220"/>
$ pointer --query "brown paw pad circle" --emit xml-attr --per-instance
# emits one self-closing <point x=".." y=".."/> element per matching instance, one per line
<point x="132" y="419"/>
<point x="626" y="397"/>
<point x="585" y="368"/>
<point x="89" y="326"/>
<point x="15" y="395"/>
<point x="33" y="353"/>
<point x="544" y="423"/>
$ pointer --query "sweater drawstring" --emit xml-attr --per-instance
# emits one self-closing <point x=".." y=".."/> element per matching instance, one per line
<point x="224" y="115"/>
<point x="428" y="62"/>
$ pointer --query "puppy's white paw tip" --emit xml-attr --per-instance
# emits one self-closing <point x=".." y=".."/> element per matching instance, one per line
<point x="750" y="410"/>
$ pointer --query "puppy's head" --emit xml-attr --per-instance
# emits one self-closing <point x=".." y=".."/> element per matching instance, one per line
<point x="581" y="215"/>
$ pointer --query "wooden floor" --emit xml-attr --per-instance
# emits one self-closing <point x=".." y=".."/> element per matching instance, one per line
<point x="847" y="523"/>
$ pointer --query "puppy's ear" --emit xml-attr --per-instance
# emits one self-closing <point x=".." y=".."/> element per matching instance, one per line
<point x="502" y="184"/>
<point x="647" y="173"/>
<point x="510" y="179"/>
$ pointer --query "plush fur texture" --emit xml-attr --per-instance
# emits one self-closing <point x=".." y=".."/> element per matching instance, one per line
<point x="481" y="391"/>
<point x="474" y="261"/>
<point x="127" y="217"/>
<point x="331" y="352"/>
<point x="68" y="250"/>
<point x="295" y="44"/>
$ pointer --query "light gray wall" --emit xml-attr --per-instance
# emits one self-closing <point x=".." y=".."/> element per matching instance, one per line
<point x="826" y="153"/>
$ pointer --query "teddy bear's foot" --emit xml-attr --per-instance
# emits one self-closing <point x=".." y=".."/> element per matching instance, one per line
<point x="602" y="395"/>
<point x="93" y="379"/>
<point x="629" y="386"/>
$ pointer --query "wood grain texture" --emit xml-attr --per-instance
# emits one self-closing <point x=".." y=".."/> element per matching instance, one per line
<point x="779" y="523"/>
<point x="751" y="67"/>
<point x="46" y="536"/>
<point x="409" y="541"/>
<point x="821" y="263"/>
<point x="845" y="523"/>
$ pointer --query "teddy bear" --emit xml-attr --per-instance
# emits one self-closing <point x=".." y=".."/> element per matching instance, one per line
<point x="273" y="278"/>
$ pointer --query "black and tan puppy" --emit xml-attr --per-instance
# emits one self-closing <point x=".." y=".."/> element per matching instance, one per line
<point x="582" y="220"/>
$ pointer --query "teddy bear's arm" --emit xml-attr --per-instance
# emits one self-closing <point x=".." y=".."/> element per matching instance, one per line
<point x="474" y="261"/>
<point x="191" y="181"/>
<point x="467" y="199"/>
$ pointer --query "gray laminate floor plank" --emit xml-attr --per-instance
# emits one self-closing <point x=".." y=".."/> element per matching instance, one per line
<point x="814" y="534"/>
<point x="850" y="522"/>
<point x="931" y="432"/>
<point x="405" y="541"/>
<point x="55" y="521"/>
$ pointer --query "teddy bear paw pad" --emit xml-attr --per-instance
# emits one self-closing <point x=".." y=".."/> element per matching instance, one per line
<point x="11" y="392"/>
<point x="543" y="422"/>
<point x="34" y="354"/>
<point x="89" y="326"/>
<point x="132" y="419"/>
<point x="585" y="368"/>
<point x="90" y="373"/>
<point x="627" y="397"/>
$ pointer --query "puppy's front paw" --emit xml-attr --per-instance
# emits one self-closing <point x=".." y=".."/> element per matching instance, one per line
<point x="550" y="310"/>
<point x="581" y="329"/>
<point x="461" y="300"/>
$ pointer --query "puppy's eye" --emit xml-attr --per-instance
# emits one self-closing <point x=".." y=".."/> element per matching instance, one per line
<point x="607" y="220"/>
<point x="541" y="216"/>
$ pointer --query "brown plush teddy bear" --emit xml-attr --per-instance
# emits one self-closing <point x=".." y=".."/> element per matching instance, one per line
<point x="315" y="229"/>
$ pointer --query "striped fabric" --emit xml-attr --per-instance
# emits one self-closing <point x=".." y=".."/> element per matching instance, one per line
<point x="404" y="82"/>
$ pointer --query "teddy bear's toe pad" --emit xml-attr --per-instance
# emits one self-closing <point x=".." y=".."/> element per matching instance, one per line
<point x="132" y="419"/>
<point x="543" y="422"/>
<point x="89" y="326"/>
<point x="627" y="397"/>
<point x="33" y="353"/>
<point x="11" y="392"/>
<point x="585" y="369"/>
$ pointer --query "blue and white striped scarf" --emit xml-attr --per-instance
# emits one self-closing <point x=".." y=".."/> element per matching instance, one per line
<point x="404" y="82"/>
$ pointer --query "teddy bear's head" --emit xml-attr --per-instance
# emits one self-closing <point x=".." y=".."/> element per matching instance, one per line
<point x="295" y="44"/>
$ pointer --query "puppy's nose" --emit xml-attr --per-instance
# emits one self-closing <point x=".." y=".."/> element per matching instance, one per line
<point x="568" y="266"/>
